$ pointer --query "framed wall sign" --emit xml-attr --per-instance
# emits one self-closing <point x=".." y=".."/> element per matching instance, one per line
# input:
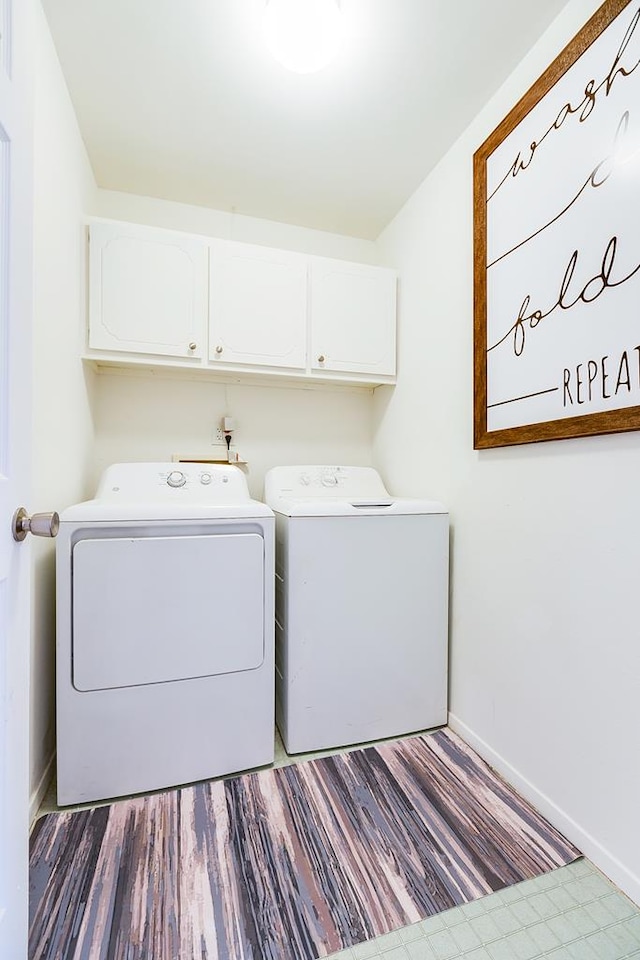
<point x="557" y="246"/>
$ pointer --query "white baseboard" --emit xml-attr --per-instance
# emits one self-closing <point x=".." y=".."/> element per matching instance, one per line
<point x="37" y="795"/>
<point x="624" y="878"/>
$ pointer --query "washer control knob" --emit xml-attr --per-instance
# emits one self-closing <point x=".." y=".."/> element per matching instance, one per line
<point x="329" y="480"/>
<point x="205" y="478"/>
<point x="176" y="478"/>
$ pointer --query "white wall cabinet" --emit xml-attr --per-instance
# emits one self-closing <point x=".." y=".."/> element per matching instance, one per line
<point x="147" y="292"/>
<point x="164" y="299"/>
<point x="353" y="314"/>
<point x="257" y="306"/>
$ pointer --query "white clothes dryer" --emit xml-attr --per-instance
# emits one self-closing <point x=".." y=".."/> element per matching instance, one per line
<point x="165" y="656"/>
<point x="361" y="608"/>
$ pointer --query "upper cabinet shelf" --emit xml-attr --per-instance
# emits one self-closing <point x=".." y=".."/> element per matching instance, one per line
<point x="162" y="298"/>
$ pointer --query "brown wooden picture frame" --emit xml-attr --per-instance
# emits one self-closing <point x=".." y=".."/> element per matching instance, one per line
<point x="620" y="415"/>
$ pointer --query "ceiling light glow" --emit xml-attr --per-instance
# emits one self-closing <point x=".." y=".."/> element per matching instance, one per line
<point x="303" y="35"/>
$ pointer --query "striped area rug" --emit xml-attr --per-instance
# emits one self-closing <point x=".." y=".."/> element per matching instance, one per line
<point x="286" y="864"/>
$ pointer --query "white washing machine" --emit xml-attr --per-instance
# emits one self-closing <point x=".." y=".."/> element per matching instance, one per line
<point x="165" y="658"/>
<point x="361" y="608"/>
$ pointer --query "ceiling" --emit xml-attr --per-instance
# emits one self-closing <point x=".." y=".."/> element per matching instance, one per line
<point x="180" y="99"/>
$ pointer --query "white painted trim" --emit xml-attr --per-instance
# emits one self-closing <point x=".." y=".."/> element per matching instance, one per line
<point x="37" y="795"/>
<point x="624" y="878"/>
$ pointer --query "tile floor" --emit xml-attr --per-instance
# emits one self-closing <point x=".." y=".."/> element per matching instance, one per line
<point x="573" y="913"/>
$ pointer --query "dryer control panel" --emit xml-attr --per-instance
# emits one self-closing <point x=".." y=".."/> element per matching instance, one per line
<point x="180" y="478"/>
<point x="186" y="482"/>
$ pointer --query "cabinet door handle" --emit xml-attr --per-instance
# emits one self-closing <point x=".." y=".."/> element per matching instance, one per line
<point x="193" y="345"/>
<point x="321" y="359"/>
<point x="218" y="349"/>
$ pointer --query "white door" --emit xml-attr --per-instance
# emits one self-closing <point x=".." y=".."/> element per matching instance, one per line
<point x="147" y="291"/>
<point x="353" y="317"/>
<point x="257" y="305"/>
<point x="16" y="193"/>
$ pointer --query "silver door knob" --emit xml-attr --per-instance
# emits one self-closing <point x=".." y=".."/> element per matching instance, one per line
<point x="320" y="359"/>
<point x="40" y="524"/>
<point x="193" y="345"/>
<point x="218" y="349"/>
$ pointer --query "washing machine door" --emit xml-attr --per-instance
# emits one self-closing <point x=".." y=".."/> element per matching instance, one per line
<point x="157" y="609"/>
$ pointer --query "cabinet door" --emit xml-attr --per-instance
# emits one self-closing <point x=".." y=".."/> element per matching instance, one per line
<point x="353" y="317"/>
<point x="257" y="306"/>
<point x="148" y="291"/>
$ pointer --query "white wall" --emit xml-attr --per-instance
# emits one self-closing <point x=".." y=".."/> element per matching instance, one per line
<point x="545" y="642"/>
<point x="62" y="427"/>
<point x="143" y="417"/>
<point x="153" y="419"/>
<point x="230" y="226"/>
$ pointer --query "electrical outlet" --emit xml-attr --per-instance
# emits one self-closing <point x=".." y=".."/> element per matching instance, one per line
<point x="218" y="436"/>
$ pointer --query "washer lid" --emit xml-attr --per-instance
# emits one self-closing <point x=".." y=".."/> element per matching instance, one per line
<point x="166" y="491"/>
<point x="331" y="491"/>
